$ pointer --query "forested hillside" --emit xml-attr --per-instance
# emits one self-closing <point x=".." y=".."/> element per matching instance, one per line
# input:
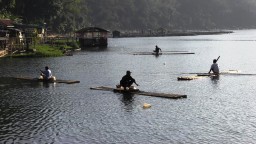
<point x="69" y="15"/>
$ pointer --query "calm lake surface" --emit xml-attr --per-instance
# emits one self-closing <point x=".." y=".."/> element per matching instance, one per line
<point x="215" y="111"/>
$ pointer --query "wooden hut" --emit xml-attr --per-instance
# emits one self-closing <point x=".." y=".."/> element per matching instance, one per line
<point x="92" y="37"/>
<point x="6" y="23"/>
<point x="32" y="30"/>
<point x="3" y="46"/>
<point x="8" y="29"/>
<point x="3" y="43"/>
<point x="14" y="35"/>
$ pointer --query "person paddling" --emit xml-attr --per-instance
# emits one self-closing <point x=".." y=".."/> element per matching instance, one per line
<point x="214" y="67"/>
<point x="157" y="49"/>
<point x="47" y="73"/>
<point x="127" y="80"/>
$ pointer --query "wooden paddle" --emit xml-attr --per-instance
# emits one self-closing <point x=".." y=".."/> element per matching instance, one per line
<point x="218" y="58"/>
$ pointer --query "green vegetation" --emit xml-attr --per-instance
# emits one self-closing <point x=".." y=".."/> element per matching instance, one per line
<point x="53" y="48"/>
<point x="47" y="51"/>
<point x="41" y="51"/>
<point x="65" y="16"/>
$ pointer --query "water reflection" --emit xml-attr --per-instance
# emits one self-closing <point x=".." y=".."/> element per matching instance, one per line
<point x="8" y="118"/>
<point x="127" y="99"/>
<point x="157" y="55"/>
<point x="35" y="112"/>
<point x="215" y="79"/>
<point x="45" y="84"/>
<point x="96" y="49"/>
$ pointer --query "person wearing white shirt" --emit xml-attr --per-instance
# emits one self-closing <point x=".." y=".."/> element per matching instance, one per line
<point x="47" y="73"/>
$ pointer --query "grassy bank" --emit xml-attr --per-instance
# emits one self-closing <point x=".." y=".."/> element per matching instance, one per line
<point x="47" y="51"/>
<point x="42" y="50"/>
<point x="50" y="49"/>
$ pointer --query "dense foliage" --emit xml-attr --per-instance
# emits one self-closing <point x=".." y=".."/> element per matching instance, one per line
<point x="69" y="15"/>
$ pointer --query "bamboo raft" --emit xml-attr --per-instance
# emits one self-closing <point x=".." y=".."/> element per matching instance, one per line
<point x="204" y="75"/>
<point x="40" y="80"/>
<point x="138" y="92"/>
<point x="187" y="78"/>
<point x="162" y="53"/>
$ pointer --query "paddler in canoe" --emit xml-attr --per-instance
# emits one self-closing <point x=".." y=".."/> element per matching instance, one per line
<point x="46" y="75"/>
<point x="214" y="67"/>
<point x="157" y="49"/>
<point x="127" y="81"/>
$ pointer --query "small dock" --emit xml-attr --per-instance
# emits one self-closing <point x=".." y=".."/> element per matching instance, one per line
<point x="143" y="93"/>
<point x="39" y="80"/>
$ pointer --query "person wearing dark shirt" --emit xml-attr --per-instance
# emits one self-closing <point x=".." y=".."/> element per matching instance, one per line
<point x="214" y="67"/>
<point x="127" y="80"/>
<point x="157" y="50"/>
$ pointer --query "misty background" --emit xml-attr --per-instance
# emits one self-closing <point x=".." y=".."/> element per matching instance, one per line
<point x="64" y="16"/>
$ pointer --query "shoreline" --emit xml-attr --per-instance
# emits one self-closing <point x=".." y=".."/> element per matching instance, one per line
<point x="174" y="33"/>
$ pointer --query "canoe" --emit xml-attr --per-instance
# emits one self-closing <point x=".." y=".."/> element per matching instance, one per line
<point x="139" y="92"/>
<point x="49" y="81"/>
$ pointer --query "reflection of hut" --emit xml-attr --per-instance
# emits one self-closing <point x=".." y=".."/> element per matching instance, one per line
<point x="116" y="34"/>
<point x="92" y="37"/>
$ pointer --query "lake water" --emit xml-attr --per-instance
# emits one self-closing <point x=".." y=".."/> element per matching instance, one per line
<point x="215" y="111"/>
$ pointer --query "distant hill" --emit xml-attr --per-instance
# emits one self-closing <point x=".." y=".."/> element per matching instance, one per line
<point x="69" y="15"/>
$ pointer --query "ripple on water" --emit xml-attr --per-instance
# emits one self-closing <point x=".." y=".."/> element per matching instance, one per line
<point x="215" y="111"/>
<point x="30" y="114"/>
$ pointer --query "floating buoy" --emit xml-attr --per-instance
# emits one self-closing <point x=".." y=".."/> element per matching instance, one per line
<point x="146" y="105"/>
